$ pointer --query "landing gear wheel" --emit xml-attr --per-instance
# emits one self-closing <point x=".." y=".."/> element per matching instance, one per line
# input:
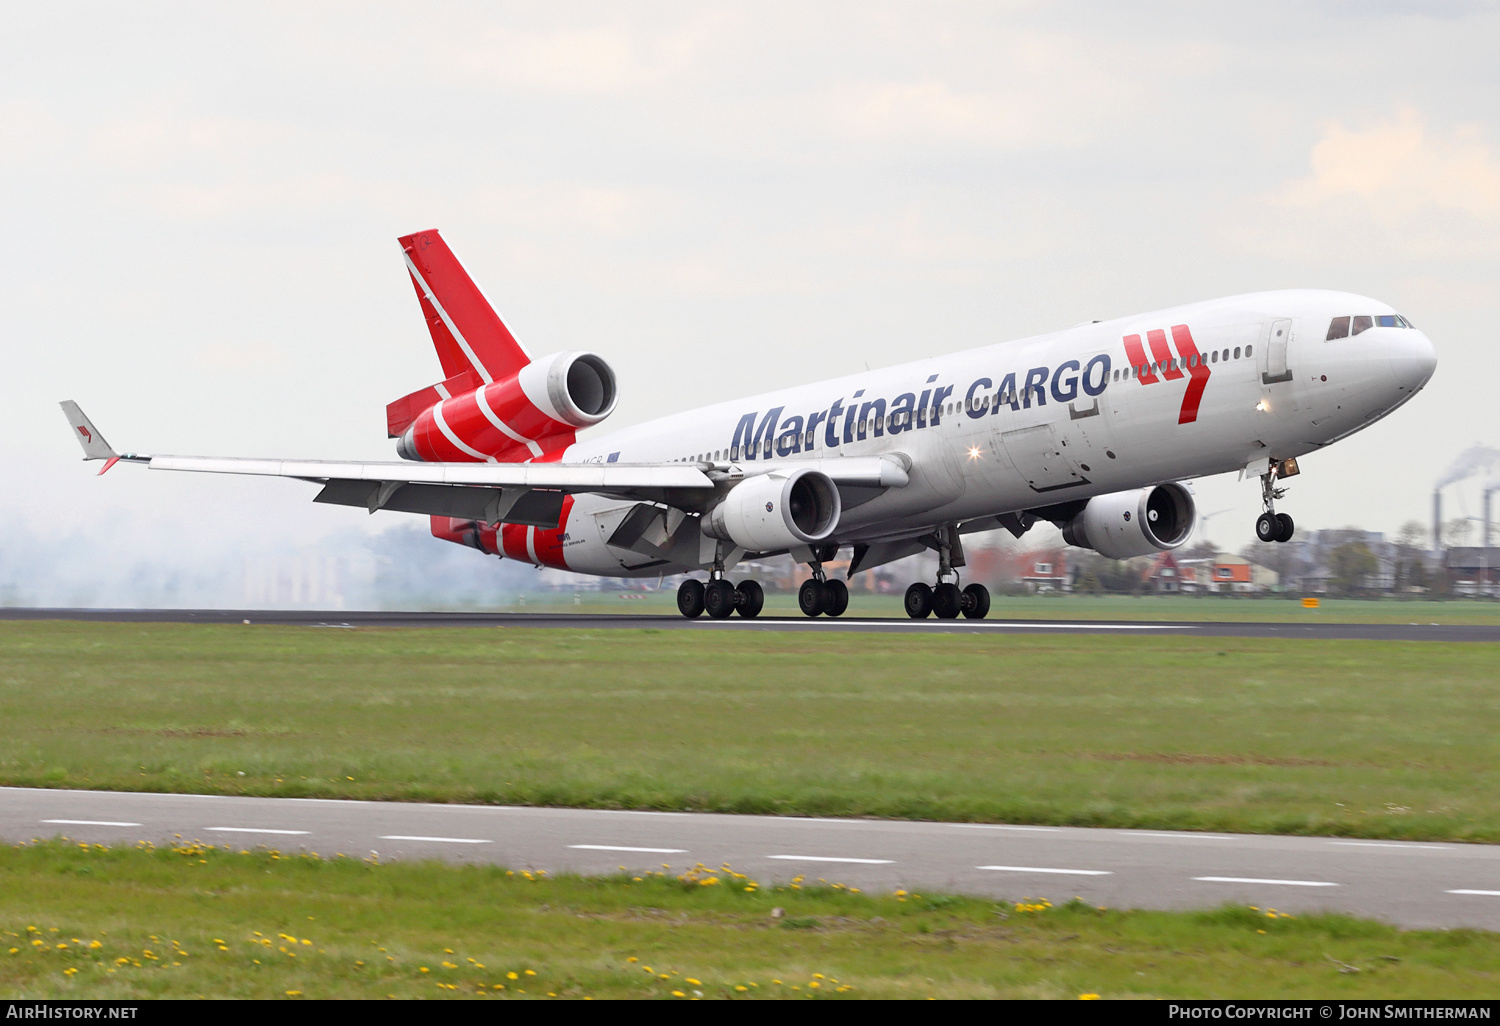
<point x="718" y="599"/>
<point x="918" y="601"/>
<point x="1266" y="527"/>
<point x="947" y="601"/>
<point x="752" y="599"/>
<point x="810" y="597"/>
<point x="1285" y="527"/>
<point x="976" y="602"/>
<point x="835" y="597"/>
<point x="690" y="598"/>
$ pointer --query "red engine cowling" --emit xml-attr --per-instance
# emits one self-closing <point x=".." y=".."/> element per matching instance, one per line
<point x="522" y="417"/>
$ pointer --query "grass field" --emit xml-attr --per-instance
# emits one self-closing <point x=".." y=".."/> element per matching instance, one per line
<point x="1376" y="739"/>
<point x="1070" y="607"/>
<point x="86" y="922"/>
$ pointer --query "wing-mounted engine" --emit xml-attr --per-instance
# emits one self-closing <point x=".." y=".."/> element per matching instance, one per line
<point x="1134" y="523"/>
<point x="777" y="510"/>
<point x="513" y="419"/>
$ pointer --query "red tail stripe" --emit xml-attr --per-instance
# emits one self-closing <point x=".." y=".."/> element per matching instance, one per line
<point x="513" y="542"/>
<point x="1158" y="340"/>
<point x="489" y="339"/>
<point x="1199" y="374"/>
<point x="549" y="543"/>
<point x="1137" y="357"/>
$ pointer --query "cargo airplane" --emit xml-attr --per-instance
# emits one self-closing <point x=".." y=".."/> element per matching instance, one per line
<point x="1094" y="429"/>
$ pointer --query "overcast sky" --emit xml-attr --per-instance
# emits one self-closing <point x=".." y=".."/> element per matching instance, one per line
<point x="200" y="204"/>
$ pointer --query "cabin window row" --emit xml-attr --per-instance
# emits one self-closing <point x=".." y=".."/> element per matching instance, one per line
<point x="1180" y="363"/>
<point x="1345" y="327"/>
<point x="904" y="419"/>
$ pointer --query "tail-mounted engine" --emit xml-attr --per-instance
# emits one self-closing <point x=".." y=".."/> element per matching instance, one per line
<point x="1134" y="523"/>
<point x="513" y="419"/>
<point x="774" y="511"/>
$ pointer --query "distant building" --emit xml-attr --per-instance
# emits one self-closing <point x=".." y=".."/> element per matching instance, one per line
<point x="1164" y="575"/>
<point x="1473" y="570"/>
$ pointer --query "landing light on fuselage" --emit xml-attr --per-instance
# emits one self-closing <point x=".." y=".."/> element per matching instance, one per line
<point x="1263" y="406"/>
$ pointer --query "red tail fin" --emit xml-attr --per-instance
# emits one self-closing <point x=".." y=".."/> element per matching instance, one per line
<point x="468" y="334"/>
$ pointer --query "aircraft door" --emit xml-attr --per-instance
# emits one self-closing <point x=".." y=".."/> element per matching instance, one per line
<point x="1273" y="365"/>
<point x="1042" y="458"/>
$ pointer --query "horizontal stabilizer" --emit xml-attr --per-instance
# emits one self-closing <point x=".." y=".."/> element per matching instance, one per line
<point x="400" y="414"/>
<point x="94" y="445"/>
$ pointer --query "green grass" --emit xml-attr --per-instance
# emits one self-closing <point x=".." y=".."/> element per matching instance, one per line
<point x="1371" y="739"/>
<point x="1212" y="608"/>
<point x="86" y="922"/>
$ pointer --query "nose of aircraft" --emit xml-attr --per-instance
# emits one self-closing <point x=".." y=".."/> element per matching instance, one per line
<point x="1414" y="359"/>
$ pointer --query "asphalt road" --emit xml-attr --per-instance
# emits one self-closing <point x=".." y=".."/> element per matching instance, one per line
<point x="595" y="621"/>
<point x="1405" y="883"/>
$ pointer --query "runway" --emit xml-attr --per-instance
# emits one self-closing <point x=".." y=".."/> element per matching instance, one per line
<point x="855" y="624"/>
<point x="1405" y="883"/>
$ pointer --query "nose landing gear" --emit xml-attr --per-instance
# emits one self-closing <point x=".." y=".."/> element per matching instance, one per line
<point x="1272" y="526"/>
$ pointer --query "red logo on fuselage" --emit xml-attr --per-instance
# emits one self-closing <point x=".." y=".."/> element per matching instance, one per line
<point x="1171" y="368"/>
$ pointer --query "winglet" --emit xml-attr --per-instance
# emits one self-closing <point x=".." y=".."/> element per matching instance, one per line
<point x="94" y="445"/>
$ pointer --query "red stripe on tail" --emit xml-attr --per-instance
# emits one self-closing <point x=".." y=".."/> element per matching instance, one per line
<point x="549" y="543"/>
<point x="495" y="349"/>
<point x="1199" y="374"/>
<point x="513" y="542"/>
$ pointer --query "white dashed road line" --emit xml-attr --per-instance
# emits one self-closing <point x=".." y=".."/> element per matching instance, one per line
<point x="1390" y="844"/>
<point x="1041" y="869"/>
<point x="438" y="840"/>
<point x="619" y="847"/>
<point x="88" y="822"/>
<point x="1168" y="835"/>
<point x="824" y="858"/>
<point x="997" y="826"/>
<point x="256" y="830"/>
<point x="1253" y="880"/>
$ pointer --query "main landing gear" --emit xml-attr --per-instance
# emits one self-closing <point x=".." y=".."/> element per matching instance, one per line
<point x="947" y="600"/>
<point x="1272" y="526"/>
<point x="820" y="595"/>
<point x="720" y="599"/>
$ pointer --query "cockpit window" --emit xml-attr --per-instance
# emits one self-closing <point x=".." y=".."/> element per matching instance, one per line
<point x="1338" y="329"/>
<point x="1362" y="323"/>
<point x="1388" y="321"/>
<point x="1405" y="322"/>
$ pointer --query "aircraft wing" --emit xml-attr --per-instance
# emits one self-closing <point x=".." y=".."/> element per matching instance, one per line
<point x="513" y="493"/>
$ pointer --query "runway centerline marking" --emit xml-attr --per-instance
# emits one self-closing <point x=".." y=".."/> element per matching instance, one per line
<point x="826" y="858"/>
<point x="1043" y="869"/>
<point x="1390" y="844"/>
<point x="438" y="840"/>
<point x="941" y="624"/>
<point x="88" y="822"/>
<point x="618" y="847"/>
<point x="1176" y="836"/>
<point x="255" y="830"/>
<point x="1255" y="880"/>
<point x="1492" y="894"/>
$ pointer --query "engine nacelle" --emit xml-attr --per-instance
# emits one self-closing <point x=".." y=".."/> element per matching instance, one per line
<point x="1134" y="523"/>
<point x="517" y="418"/>
<point x="786" y="507"/>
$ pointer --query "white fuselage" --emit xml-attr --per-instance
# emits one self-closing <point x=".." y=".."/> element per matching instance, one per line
<point x="1043" y="420"/>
